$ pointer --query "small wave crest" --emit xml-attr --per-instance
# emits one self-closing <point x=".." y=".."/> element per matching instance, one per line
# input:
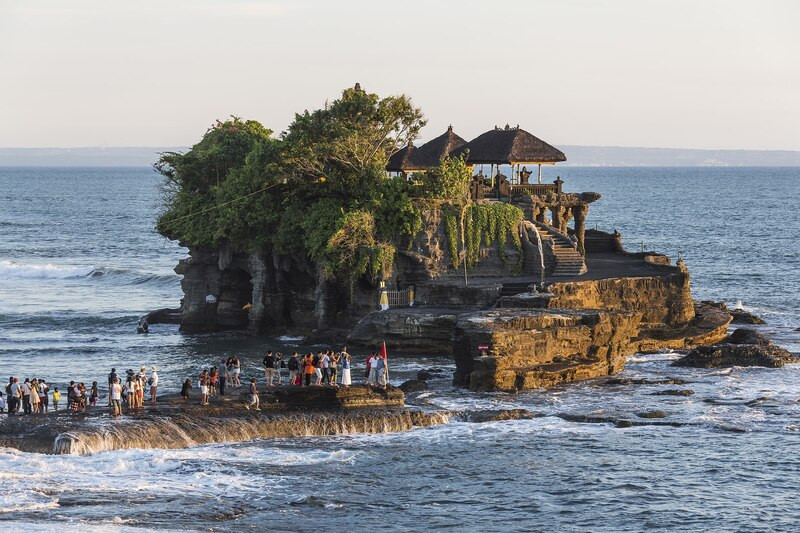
<point x="15" y="270"/>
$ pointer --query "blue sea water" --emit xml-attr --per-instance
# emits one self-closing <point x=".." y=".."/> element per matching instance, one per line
<point x="80" y="262"/>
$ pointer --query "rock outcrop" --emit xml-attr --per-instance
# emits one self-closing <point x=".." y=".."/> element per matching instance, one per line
<point x="742" y="348"/>
<point x="508" y="350"/>
<point x="408" y="330"/>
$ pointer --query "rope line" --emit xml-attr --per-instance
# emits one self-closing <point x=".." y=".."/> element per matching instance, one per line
<point x="206" y="210"/>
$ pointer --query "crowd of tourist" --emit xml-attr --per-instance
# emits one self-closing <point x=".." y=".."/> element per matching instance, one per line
<point x="324" y="368"/>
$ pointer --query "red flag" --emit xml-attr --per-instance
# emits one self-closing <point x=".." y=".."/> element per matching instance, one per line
<point x="383" y="350"/>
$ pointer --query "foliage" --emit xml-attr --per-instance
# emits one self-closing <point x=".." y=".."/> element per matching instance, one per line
<point x="449" y="181"/>
<point x="319" y="191"/>
<point x="483" y="225"/>
<point x="396" y="215"/>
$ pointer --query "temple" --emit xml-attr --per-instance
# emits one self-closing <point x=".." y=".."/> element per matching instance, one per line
<point x="514" y="149"/>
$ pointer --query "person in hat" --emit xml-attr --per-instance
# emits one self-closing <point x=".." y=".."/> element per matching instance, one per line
<point x="153" y="381"/>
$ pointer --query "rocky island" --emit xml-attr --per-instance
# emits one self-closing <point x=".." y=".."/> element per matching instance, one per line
<point x="341" y="228"/>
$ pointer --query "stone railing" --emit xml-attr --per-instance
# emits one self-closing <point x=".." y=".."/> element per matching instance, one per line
<point x="536" y="188"/>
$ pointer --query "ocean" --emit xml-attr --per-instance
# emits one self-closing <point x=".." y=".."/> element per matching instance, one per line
<point x="80" y="262"/>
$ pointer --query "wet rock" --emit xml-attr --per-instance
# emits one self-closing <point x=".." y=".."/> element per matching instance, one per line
<point x="743" y="347"/>
<point x="748" y="336"/>
<point x="164" y="316"/>
<point x="740" y="316"/>
<point x="497" y="415"/>
<point x="630" y="381"/>
<point x="675" y="392"/>
<point x="414" y="385"/>
<point x="411" y="330"/>
<point x="430" y="373"/>
<point x="652" y="414"/>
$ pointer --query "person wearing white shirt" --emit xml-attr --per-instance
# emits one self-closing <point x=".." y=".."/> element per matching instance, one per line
<point x="153" y="385"/>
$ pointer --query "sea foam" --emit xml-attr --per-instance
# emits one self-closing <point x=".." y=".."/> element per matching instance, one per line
<point x="14" y="270"/>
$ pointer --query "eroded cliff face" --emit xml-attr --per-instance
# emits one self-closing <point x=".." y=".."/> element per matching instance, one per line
<point x="660" y="299"/>
<point x="512" y="349"/>
<point x="516" y="349"/>
<point x="262" y="292"/>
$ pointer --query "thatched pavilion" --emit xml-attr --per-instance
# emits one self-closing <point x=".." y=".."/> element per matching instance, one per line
<point x="419" y="159"/>
<point x="403" y="161"/>
<point x="515" y="147"/>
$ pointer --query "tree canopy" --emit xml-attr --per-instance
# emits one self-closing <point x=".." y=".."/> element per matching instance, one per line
<point x="318" y="190"/>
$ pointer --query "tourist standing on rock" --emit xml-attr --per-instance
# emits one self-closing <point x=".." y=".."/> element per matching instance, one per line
<point x="111" y="377"/>
<point x="114" y="395"/>
<point x="325" y="367"/>
<point x="203" y="384"/>
<point x="223" y="376"/>
<point x="153" y="381"/>
<point x="94" y="395"/>
<point x="253" y="396"/>
<point x="309" y="369"/>
<point x="34" y="396"/>
<point x="130" y="391"/>
<point x="2" y="403"/>
<point x="187" y="386"/>
<point x="213" y="376"/>
<point x="373" y="369"/>
<point x="379" y="366"/>
<point x="142" y="383"/>
<point x="13" y="391"/>
<point x="316" y="361"/>
<point x="269" y="367"/>
<point x="26" y="396"/>
<point x="279" y="364"/>
<point x="43" y="390"/>
<point x="345" y="358"/>
<point x="334" y="371"/>
<point x="292" y="364"/>
<point x="56" y="398"/>
<point x="236" y="370"/>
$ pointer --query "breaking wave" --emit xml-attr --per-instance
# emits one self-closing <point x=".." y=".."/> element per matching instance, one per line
<point x="10" y="270"/>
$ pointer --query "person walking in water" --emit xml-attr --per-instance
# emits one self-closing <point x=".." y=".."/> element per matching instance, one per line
<point x="253" y="396"/>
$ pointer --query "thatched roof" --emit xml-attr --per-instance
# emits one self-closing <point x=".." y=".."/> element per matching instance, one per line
<point x="401" y="160"/>
<point x="430" y="154"/>
<point x="510" y="145"/>
<point x="427" y="156"/>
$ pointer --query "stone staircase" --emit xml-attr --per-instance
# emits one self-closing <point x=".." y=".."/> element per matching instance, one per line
<point x="512" y="289"/>
<point x="566" y="258"/>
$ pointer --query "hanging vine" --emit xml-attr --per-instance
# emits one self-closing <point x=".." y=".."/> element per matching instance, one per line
<point x="484" y="225"/>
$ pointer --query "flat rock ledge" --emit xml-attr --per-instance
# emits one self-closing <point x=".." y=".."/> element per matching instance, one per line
<point x="744" y="347"/>
<point x="175" y="423"/>
<point x="514" y="349"/>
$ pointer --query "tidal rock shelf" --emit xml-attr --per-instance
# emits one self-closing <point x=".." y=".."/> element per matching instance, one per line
<point x="286" y="412"/>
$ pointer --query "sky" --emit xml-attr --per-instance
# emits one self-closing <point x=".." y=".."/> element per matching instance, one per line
<point x="676" y="73"/>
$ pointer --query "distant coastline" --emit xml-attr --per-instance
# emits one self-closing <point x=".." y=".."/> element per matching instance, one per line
<point x="577" y="156"/>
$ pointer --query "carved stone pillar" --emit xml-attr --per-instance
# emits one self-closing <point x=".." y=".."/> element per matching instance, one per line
<point x="565" y="220"/>
<point x="540" y="211"/>
<point x="579" y="212"/>
<point x="555" y="215"/>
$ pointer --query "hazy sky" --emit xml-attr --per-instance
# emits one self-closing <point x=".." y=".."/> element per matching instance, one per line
<point x="673" y="73"/>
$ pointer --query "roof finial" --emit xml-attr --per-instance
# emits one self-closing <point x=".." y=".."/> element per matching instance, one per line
<point x="357" y="87"/>
<point x="450" y="128"/>
<point x="507" y="127"/>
